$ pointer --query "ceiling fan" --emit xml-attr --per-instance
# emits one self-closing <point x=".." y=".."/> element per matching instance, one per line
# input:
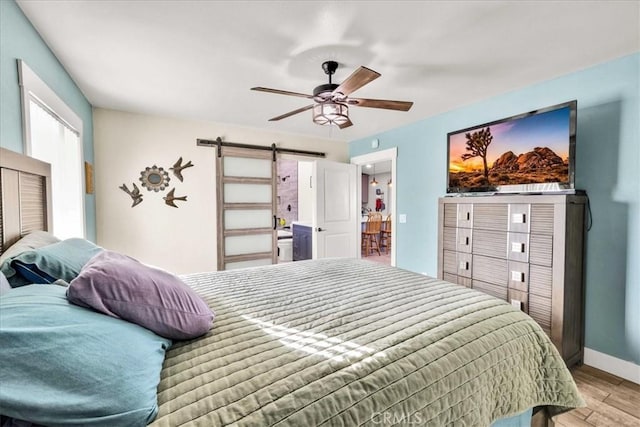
<point x="332" y="101"/>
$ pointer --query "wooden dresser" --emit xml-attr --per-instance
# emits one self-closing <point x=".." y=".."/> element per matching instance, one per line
<point x="525" y="249"/>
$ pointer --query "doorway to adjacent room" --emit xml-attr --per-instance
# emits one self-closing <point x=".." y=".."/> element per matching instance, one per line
<point x="376" y="195"/>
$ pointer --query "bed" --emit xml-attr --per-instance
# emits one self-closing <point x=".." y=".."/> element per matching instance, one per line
<point x="349" y="342"/>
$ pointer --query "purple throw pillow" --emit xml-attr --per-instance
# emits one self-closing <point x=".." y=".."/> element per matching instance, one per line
<point x="122" y="287"/>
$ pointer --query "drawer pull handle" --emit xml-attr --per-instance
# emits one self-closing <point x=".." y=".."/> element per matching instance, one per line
<point x="517" y="276"/>
<point x="517" y="247"/>
<point x="464" y="265"/>
<point x="519" y="218"/>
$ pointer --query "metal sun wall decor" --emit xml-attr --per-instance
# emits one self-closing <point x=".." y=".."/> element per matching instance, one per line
<point x="156" y="179"/>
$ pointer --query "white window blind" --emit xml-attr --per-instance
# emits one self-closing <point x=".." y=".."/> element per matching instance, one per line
<point x="54" y="142"/>
<point x="53" y="133"/>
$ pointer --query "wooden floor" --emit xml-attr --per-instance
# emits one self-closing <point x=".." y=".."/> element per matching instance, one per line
<point x="611" y="401"/>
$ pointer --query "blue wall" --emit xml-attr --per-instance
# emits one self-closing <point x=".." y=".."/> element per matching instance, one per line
<point x="607" y="164"/>
<point x="19" y="40"/>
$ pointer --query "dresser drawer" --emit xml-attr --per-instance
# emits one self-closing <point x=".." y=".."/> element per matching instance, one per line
<point x="464" y="243"/>
<point x="516" y="295"/>
<point x="451" y="215"/>
<point x="540" y="311"/>
<point x="490" y="288"/>
<point x="453" y="278"/>
<point x="465" y="215"/>
<point x="518" y="248"/>
<point x="464" y="281"/>
<point x="494" y="216"/>
<point x="449" y="238"/>
<point x="519" y="276"/>
<point x="490" y="243"/>
<point x="542" y="218"/>
<point x="464" y="264"/>
<point x="540" y="280"/>
<point x="490" y="270"/>
<point x="449" y="262"/>
<point x="519" y="217"/>
<point x="541" y="249"/>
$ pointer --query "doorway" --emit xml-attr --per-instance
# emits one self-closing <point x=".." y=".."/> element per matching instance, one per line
<point x="316" y="209"/>
<point x="377" y="194"/>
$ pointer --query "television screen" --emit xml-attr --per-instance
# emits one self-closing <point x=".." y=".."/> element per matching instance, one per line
<point x="531" y="152"/>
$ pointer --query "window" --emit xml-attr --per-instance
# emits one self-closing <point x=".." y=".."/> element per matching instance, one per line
<point x="53" y="133"/>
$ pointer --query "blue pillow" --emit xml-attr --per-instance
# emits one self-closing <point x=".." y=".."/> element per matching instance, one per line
<point x="65" y="365"/>
<point x="62" y="260"/>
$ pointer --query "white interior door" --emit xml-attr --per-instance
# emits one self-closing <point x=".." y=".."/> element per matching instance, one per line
<point x="335" y="210"/>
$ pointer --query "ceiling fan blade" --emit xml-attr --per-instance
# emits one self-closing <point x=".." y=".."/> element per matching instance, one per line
<point x="380" y="103"/>
<point x="291" y="113"/>
<point x="356" y="80"/>
<point x="346" y="124"/>
<point x="282" y="92"/>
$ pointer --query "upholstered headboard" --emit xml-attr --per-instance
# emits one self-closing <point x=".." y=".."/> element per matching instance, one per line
<point x="25" y="196"/>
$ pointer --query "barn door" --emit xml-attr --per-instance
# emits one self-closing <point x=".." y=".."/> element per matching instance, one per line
<point x="246" y="195"/>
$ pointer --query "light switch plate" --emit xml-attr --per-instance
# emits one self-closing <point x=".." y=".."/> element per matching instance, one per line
<point x="402" y="218"/>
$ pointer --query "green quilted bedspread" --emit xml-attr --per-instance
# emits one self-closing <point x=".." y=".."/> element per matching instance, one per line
<point x="347" y="343"/>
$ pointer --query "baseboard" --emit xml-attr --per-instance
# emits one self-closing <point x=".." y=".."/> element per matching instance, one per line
<point x="622" y="368"/>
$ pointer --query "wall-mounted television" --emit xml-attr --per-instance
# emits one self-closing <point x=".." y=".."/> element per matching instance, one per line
<point x="530" y="152"/>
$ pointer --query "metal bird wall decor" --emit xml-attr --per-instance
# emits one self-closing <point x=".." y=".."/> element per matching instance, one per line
<point x="135" y="194"/>
<point x="157" y="179"/>
<point x="169" y="198"/>
<point x="178" y="167"/>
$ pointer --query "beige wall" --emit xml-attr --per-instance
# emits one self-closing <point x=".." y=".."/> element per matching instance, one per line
<point x="181" y="240"/>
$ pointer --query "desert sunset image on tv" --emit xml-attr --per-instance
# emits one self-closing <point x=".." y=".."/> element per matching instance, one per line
<point x="531" y="149"/>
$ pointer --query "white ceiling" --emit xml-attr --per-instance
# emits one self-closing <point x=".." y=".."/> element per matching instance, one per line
<point x="198" y="59"/>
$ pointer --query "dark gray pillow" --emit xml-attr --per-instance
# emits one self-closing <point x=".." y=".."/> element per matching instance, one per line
<point x="120" y="286"/>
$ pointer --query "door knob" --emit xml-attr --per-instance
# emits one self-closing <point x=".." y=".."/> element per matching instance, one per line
<point x="320" y="229"/>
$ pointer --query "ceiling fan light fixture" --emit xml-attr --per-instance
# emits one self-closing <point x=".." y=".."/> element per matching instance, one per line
<point x="332" y="101"/>
<point x="330" y="113"/>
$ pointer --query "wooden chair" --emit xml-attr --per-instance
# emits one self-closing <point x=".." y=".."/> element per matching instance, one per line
<point x="371" y="233"/>
<point x="385" y="234"/>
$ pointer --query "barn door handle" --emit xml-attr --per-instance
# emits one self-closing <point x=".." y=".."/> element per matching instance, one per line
<point x="275" y="222"/>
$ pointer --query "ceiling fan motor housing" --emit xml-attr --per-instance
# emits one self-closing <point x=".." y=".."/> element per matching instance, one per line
<point x="323" y="92"/>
